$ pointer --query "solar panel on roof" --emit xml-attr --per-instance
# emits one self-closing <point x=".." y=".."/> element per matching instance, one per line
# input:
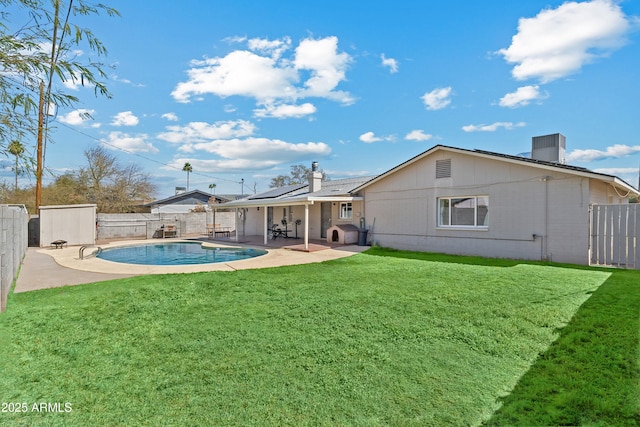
<point x="277" y="192"/>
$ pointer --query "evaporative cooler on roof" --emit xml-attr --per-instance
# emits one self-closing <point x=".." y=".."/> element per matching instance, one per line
<point x="549" y="148"/>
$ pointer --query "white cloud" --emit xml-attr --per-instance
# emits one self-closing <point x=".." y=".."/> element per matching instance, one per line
<point x="369" y="138"/>
<point x="438" y="98"/>
<point x="251" y="154"/>
<point x="125" y="118"/>
<point x="273" y="48"/>
<point x="235" y="39"/>
<point x="263" y="149"/>
<point x="613" y="152"/>
<point x="72" y="84"/>
<point x="131" y="144"/>
<point x="170" y="116"/>
<point x="285" y="111"/>
<point x="521" y="97"/>
<point x="223" y="165"/>
<point x="200" y="131"/>
<point x="117" y="78"/>
<point x="327" y="67"/>
<point x="558" y="42"/>
<point x="493" y="127"/>
<point x="240" y="73"/>
<point x="389" y="62"/>
<point x="238" y="150"/>
<point x="76" y="117"/>
<point x="418" y="135"/>
<point x="261" y="73"/>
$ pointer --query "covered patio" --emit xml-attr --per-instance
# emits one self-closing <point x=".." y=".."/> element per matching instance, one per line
<point x="305" y="210"/>
<point x="292" y="243"/>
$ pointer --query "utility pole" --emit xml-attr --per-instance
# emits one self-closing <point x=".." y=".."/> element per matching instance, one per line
<point x="39" y="166"/>
<point x="41" y="124"/>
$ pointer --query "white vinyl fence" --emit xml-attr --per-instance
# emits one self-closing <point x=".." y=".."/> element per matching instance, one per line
<point x="615" y="232"/>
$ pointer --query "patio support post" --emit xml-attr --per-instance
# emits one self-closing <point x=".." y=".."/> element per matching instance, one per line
<point x="236" y="222"/>
<point x="306" y="227"/>
<point x="266" y="225"/>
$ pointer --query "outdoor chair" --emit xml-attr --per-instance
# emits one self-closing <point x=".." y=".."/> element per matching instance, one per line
<point x="169" y="231"/>
<point x="276" y="231"/>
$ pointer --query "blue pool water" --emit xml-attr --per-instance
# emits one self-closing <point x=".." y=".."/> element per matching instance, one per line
<point x="176" y="253"/>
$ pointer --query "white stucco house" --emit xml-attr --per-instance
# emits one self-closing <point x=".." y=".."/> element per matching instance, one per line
<point x="457" y="201"/>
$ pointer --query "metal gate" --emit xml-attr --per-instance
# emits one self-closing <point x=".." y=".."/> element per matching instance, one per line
<point x="614" y="235"/>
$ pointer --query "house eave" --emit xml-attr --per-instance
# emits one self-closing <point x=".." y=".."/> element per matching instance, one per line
<point x="298" y="201"/>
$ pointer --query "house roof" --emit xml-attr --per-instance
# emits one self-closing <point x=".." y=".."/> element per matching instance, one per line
<point x="192" y="197"/>
<point x="299" y="194"/>
<point x="544" y="165"/>
<point x="277" y="192"/>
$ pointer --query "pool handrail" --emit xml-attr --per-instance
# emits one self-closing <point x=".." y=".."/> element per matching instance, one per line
<point x="82" y="248"/>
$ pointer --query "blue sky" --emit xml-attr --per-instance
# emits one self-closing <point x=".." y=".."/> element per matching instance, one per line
<point x="245" y="89"/>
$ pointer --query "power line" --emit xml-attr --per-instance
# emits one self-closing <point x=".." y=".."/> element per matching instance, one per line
<point x="22" y="84"/>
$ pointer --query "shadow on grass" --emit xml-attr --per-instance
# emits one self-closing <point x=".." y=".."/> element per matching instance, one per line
<point x="591" y="374"/>
<point x="455" y="259"/>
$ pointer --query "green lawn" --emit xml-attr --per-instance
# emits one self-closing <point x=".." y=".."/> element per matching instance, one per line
<point x="380" y="338"/>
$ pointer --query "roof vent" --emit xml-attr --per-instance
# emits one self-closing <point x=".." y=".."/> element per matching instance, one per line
<point x="549" y="148"/>
<point x="443" y="168"/>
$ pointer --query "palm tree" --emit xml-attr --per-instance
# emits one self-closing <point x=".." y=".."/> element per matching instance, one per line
<point x="212" y="187"/>
<point x="16" y="148"/>
<point x="187" y="168"/>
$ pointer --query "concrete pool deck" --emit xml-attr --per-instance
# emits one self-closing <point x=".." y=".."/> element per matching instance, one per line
<point x="48" y="268"/>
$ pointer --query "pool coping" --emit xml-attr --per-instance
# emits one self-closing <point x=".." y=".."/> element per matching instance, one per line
<point x="101" y="255"/>
<point x="69" y="257"/>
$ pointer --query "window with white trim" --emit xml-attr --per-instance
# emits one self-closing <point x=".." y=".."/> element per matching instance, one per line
<point x="464" y="212"/>
<point x="346" y="210"/>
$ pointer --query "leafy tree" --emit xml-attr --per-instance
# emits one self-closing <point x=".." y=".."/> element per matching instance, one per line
<point x="38" y="56"/>
<point x="188" y="169"/>
<point x="299" y="175"/>
<point x="26" y="64"/>
<point x="212" y="187"/>
<point x="65" y="190"/>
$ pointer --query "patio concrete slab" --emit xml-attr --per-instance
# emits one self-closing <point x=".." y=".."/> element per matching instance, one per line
<point x="47" y="268"/>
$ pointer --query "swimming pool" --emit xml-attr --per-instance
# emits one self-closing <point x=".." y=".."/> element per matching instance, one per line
<point x="176" y="253"/>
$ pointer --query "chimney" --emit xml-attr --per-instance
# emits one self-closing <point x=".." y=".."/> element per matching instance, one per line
<point x="180" y="190"/>
<point x="549" y="148"/>
<point x="315" y="178"/>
